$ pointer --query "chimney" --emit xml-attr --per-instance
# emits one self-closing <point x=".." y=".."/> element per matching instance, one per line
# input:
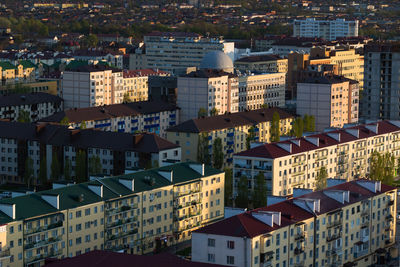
<point x="137" y="138"/>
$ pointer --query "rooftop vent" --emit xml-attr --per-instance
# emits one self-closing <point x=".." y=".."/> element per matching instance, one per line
<point x="268" y="217"/>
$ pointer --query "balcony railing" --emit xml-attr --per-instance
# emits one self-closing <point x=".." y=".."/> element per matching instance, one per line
<point x="300" y="236"/>
<point x="122" y="234"/>
<point x="43" y="228"/>
<point x="361" y="253"/>
<point x="333" y="237"/>
<point x="187" y="192"/>
<point x="42" y="243"/>
<point x="299" y="264"/>
<point x="4" y="253"/>
<point x="121" y="222"/>
<point x="124" y="208"/>
<point x="43" y="256"/>
<point x="334" y="223"/>
<point x="298" y="251"/>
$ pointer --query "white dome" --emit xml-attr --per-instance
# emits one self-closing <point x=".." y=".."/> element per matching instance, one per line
<point x="217" y="60"/>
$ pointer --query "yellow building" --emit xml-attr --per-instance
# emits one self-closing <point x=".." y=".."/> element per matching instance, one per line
<point x="136" y="213"/>
<point x="233" y="130"/>
<point x="262" y="63"/>
<point x="24" y="72"/>
<point x="347" y="224"/>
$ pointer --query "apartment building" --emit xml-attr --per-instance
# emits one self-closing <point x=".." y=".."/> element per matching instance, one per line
<point x="114" y="59"/>
<point x="137" y="213"/>
<point x="296" y="162"/>
<point x="37" y="105"/>
<point x="258" y="90"/>
<point x="233" y="130"/>
<point x="136" y="83"/>
<point x="43" y="141"/>
<point x="381" y="80"/>
<point x="262" y="63"/>
<point x="332" y="100"/>
<point x="176" y="51"/>
<point x="149" y="116"/>
<point x="326" y="29"/>
<point x="23" y="71"/>
<point x="349" y="224"/>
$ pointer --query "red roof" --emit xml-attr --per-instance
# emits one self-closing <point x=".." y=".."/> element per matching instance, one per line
<point x="273" y="150"/>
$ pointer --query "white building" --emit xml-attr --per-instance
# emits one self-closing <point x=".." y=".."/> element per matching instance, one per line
<point x="326" y="29"/>
<point x="114" y="59"/>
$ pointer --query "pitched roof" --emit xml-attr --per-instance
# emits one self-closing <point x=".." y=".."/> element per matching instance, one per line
<point x="143" y="73"/>
<point x="246" y="225"/>
<point x="28" y="99"/>
<point x="111" y="111"/>
<point x="225" y="121"/>
<point x="98" y="258"/>
<point x="6" y="65"/>
<point x="304" y="144"/>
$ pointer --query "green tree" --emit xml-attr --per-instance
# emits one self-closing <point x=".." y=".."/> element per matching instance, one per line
<point x="95" y="166"/>
<point x="24" y="116"/>
<point x="275" y="127"/>
<point x="218" y="154"/>
<point x="213" y="112"/>
<point x="242" y="198"/>
<point x="65" y="121"/>
<point x="260" y="191"/>
<point x="127" y="98"/>
<point x="320" y="180"/>
<point x="202" y="113"/>
<point x="228" y="187"/>
<point x="297" y="127"/>
<point x="67" y="170"/>
<point x="28" y="174"/>
<point x="80" y="167"/>
<point x="43" y="171"/>
<point x="309" y="123"/>
<point x="90" y="40"/>
<point x="382" y="167"/>
<point x="83" y="125"/>
<point x="251" y="134"/>
<point x="55" y="168"/>
<point x="203" y="154"/>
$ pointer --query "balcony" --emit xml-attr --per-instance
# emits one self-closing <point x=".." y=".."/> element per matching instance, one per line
<point x="298" y="251"/>
<point x="41" y="257"/>
<point x="4" y="253"/>
<point x="334" y="223"/>
<point x="187" y="192"/>
<point x="299" y="264"/>
<point x="121" y="222"/>
<point x="42" y="243"/>
<point x="361" y="253"/>
<point x="364" y="212"/>
<point x="390" y="203"/>
<point x="389" y="217"/>
<point x="114" y="211"/>
<point x="122" y="234"/>
<point x="43" y="228"/>
<point x="300" y="236"/>
<point x="266" y="258"/>
<point x="334" y="237"/>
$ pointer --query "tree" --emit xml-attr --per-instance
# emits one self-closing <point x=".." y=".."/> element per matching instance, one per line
<point x="320" y="180"/>
<point x="55" y="168"/>
<point x="203" y="154"/>
<point x="202" y="113"/>
<point x="95" y="166"/>
<point x="67" y="170"/>
<point x="309" y="123"/>
<point x="127" y="98"/>
<point x="83" y="125"/>
<point x="213" y="112"/>
<point x="228" y="187"/>
<point x="28" y="174"/>
<point x="24" y="116"/>
<point x="275" y="127"/>
<point x="218" y="155"/>
<point x="91" y="40"/>
<point x="251" y="134"/>
<point x="297" y="127"/>
<point x="242" y="198"/>
<point x="260" y="191"/>
<point x="43" y="171"/>
<point x="80" y="167"/>
<point x="382" y="167"/>
<point x="65" y="121"/>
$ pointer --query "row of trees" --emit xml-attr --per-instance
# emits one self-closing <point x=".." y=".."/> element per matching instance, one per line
<point x="257" y="198"/>
<point x="58" y="173"/>
<point x="204" y="113"/>
<point x="203" y="151"/>
<point x="301" y="125"/>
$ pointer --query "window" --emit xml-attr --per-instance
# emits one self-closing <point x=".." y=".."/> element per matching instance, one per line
<point x="211" y="257"/>
<point x="87" y="212"/>
<point x="231" y="244"/>
<point x="78" y="214"/>
<point x="211" y="242"/>
<point x="230" y="260"/>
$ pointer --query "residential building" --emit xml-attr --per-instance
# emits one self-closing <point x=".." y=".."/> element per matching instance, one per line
<point x="43" y="141"/>
<point x="115" y="59"/>
<point x="136" y="83"/>
<point x="37" y="105"/>
<point x="296" y="162"/>
<point x="137" y="213"/>
<point x="332" y="100"/>
<point x="213" y="86"/>
<point x="381" y="81"/>
<point x="349" y="224"/>
<point x="177" y="51"/>
<point x="259" y="90"/>
<point x="233" y="130"/>
<point x="326" y="29"/>
<point x="262" y="63"/>
<point x="163" y="88"/>
<point x="149" y="116"/>
<point x="24" y="71"/>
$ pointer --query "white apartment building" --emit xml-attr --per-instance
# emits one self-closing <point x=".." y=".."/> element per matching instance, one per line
<point x="114" y="59"/>
<point x="256" y="90"/>
<point x="177" y="51"/>
<point x="326" y="29"/>
<point x="296" y="162"/>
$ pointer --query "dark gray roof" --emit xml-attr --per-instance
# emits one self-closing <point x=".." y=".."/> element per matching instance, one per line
<point x="28" y="99"/>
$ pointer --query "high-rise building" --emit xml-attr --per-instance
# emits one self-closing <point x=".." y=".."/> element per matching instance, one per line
<point x="332" y="100"/>
<point x="348" y="224"/>
<point x="177" y="51"/>
<point x="381" y="82"/>
<point x="326" y="29"/>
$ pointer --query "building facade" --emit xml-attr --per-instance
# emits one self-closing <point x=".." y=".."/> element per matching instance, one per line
<point x="326" y="29"/>
<point x="349" y="224"/>
<point x="137" y="213"/>
<point x="332" y="100"/>
<point x="293" y="163"/>
<point x="262" y="63"/>
<point x="233" y="130"/>
<point x="382" y="71"/>
<point x="144" y="116"/>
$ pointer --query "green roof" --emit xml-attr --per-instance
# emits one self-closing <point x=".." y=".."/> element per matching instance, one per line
<point x="5" y="65"/>
<point x="27" y="64"/>
<point x="73" y="196"/>
<point x="76" y="63"/>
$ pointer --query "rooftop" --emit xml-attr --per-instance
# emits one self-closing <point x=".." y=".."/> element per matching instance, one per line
<point x="143" y="73"/>
<point x="259" y="58"/>
<point x="328" y="79"/>
<point x="225" y="121"/>
<point x="28" y="99"/>
<point x="174" y="34"/>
